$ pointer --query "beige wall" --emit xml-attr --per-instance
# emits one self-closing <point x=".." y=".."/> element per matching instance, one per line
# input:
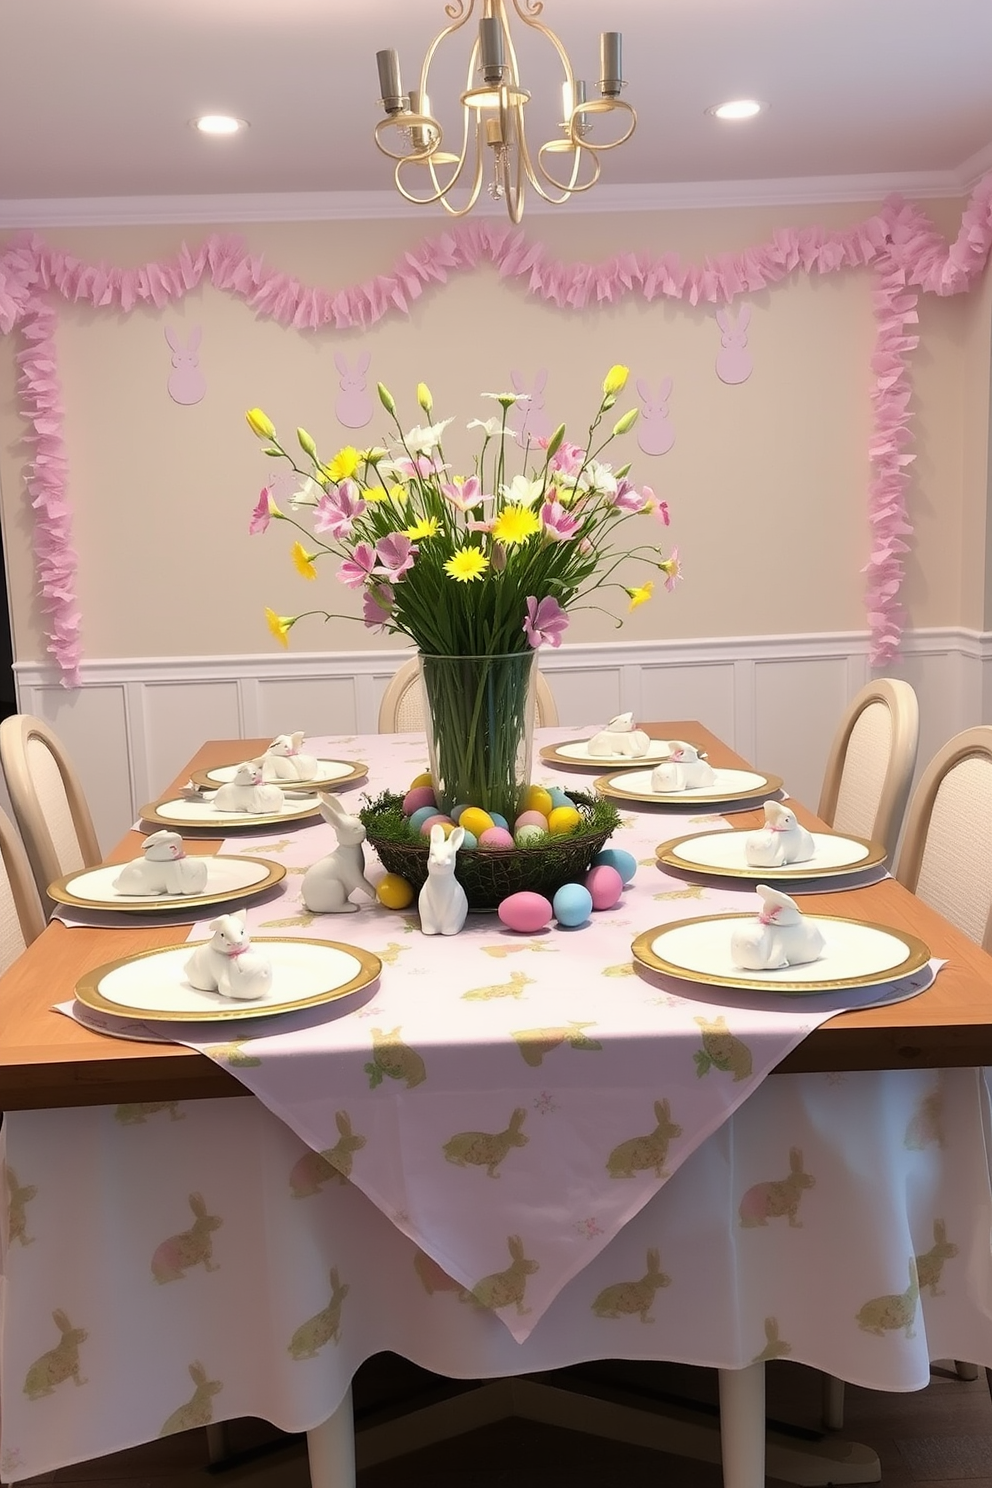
<point x="766" y="482"/>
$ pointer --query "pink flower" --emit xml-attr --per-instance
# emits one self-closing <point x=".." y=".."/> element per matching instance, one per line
<point x="672" y="569"/>
<point x="558" y="523"/>
<point x="568" y="458"/>
<point x="657" y="508"/>
<point x="480" y="526"/>
<point x="360" y="567"/>
<point x="262" y="513"/>
<point x="628" y="498"/>
<point x="396" y="553"/>
<point x="467" y="496"/>
<point x="422" y="466"/>
<point x="336" y="510"/>
<point x="544" y="622"/>
<point x="377" y="606"/>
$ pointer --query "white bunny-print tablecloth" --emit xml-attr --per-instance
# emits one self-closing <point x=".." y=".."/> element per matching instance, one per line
<point x="551" y="1158"/>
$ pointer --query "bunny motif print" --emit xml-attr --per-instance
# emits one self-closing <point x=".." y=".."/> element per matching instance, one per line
<point x="733" y="360"/>
<point x="192" y="1247"/>
<point x="353" y="406"/>
<point x="187" y="384"/>
<point x="197" y="1410"/>
<point x="59" y="1363"/>
<point x="324" y="1327"/>
<point x="633" y="1298"/>
<point x="765" y="1201"/>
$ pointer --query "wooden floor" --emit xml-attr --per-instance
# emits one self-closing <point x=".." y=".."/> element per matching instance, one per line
<point x="940" y="1437"/>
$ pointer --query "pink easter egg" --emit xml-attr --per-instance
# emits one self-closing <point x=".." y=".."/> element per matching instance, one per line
<point x="531" y="819"/>
<point x="440" y="820"/>
<point x="496" y="839"/>
<point x="605" y="885"/>
<point x="525" y="912"/>
<point x="420" y="795"/>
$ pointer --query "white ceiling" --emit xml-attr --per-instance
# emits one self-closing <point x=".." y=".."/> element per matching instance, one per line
<point x="96" y="95"/>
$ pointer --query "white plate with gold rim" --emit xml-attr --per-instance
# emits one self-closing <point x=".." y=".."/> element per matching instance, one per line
<point x="854" y="955"/>
<point x="722" y="854"/>
<point x="730" y="786"/>
<point x="179" y="812"/>
<point x="575" y="754"/>
<point x="229" y="879"/>
<point x="151" y="985"/>
<point x="330" y="775"/>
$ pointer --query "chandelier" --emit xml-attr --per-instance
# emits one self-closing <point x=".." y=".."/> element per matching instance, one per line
<point x="493" y="124"/>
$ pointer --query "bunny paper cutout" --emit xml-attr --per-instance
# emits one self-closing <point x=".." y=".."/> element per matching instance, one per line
<point x="187" y="383"/>
<point x="655" y="435"/>
<point x="353" y="406"/>
<point x="733" y="360"/>
<point x="528" y="419"/>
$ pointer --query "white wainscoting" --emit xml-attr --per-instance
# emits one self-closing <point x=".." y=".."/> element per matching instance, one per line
<point x="777" y="699"/>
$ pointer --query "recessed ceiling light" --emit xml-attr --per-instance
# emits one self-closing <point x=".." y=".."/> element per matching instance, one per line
<point x="219" y="124"/>
<point x="737" y="108"/>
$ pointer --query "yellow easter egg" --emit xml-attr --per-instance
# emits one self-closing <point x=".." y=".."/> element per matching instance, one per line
<point x="563" y="819"/>
<point x="422" y="779"/>
<point x="394" y="892"/>
<point x="475" y="820"/>
<point x="538" y="799"/>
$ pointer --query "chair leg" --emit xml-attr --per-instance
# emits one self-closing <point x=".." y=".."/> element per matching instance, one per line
<point x="966" y="1371"/>
<point x="331" y="1449"/>
<point x="218" y="1445"/>
<point x="832" y="1402"/>
<point x="742" y="1426"/>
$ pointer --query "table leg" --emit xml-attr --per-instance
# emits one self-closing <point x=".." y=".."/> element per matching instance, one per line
<point x="331" y="1449"/>
<point x="742" y="1426"/>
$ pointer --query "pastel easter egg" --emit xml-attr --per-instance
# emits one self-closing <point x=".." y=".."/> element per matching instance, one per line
<point x="531" y="819"/>
<point x="572" y="905"/>
<point x="456" y="812"/>
<point x="394" y="892"/>
<point x="563" y="819"/>
<point x="500" y="820"/>
<point x="525" y="912"/>
<point x="424" y="778"/>
<point x="469" y="840"/>
<point x="437" y="820"/>
<point x="495" y="839"/>
<point x="538" y="799"/>
<point x="558" y="796"/>
<point x="614" y="857"/>
<point x="421" y="796"/>
<point x="422" y="814"/>
<point x="530" y="836"/>
<point x="605" y="886"/>
<point x="475" y="820"/>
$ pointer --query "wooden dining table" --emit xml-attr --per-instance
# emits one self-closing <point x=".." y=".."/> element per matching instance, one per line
<point x="48" y="1061"/>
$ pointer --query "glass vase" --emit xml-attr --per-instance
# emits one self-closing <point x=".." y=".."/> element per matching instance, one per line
<point x="479" y="717"/>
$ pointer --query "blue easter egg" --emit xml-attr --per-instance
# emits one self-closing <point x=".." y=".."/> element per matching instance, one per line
<point x="558" y="796"/>
<point x="470" y="839"/>
<point x="421" y="814"/>
<point x="500" y="821"/>
<point x="572" y="905"/>
<point x="456" y="811"/>
<point x="614" y="857"/>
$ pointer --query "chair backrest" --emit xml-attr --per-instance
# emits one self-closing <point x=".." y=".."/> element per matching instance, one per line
<point x="21" y="919"/>
<point x="48" y="801"/>
<point x="402" y="709"/>
<point x="946" y="857"/>
<point x="871" y="762"/>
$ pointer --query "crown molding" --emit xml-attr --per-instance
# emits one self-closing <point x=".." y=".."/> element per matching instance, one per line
<point x="335" y="206"/>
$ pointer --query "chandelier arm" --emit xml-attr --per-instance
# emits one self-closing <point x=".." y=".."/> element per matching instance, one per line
<point x="515" y="189"/>
<point x="574" y="185"/>
<point x="604" y="106"/>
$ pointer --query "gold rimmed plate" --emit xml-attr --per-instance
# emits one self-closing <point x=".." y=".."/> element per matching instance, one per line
<point x="721" y="854"/>
<point x="181" y="814"/>
<point x="574" y="755"/>
<point x="729" y="788"/>
<point x="229" y="880"/>
<point x="331" y="774"/>
<point x="151" y="985"/>
<point x="855" y="954"/>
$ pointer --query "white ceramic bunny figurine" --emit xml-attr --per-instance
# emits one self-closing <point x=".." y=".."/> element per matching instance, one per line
<point x="163" y="868"/>
<point x="697" y="773"/>
<point x="247" y="793"/>
<point x="329" y="883"/>
<point x="227" y="964"/>
<point x="285" y="760"/>
<point x="620" y="737"/>
<point x="442" y="904"/>
<point x="779" y="937"/>
<point x="780" y="841"/>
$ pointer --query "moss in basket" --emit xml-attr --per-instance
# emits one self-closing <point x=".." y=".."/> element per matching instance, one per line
<point x="383" y="817"/>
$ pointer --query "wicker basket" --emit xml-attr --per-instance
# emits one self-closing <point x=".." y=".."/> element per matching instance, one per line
<point x="489" y="877"/>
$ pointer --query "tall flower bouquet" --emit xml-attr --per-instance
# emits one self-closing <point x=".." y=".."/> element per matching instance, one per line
<point x="478" y="570"/>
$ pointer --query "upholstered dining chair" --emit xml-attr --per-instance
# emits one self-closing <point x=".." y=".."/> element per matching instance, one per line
<point x="871" y="762"/>
<point x="48" y="801"/>
<point x="21" y="919"/>
<point x="402" y="711"/>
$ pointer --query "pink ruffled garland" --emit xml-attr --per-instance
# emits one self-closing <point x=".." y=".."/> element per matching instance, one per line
<point x="900" y="244"/>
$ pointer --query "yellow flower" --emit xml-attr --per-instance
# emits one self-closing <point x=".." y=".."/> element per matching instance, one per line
<point x="466" y="564"/>
<point x="398" y="492"/>
<point x="625" y="424"/>
<point x="424" y="398"/>
<point x="426" y="527"/>
<point x="615" y="380"/>
<point x="374" y="455"/>
<point x="515" y="524"/>
<point x="344" y="464"/>
<point x="304" y="561"/>
<point x="375" y="493"/>
<point x="641" y="595"/>
<point x="260" y="424"/>
<point x="280" y="625"/>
